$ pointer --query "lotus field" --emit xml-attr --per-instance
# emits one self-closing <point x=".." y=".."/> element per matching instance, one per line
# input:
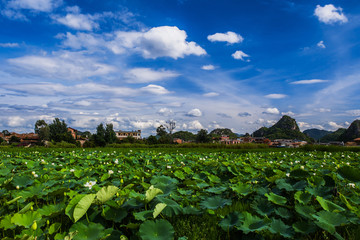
<point x="149" y="194"/>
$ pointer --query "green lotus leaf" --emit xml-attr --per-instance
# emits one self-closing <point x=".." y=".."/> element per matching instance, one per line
<point x="82" y="206"/>
<point x="172" y="207"/>
<point x="158" y="209"/>
<point x="179" y="174"/>
<point x="241" y="188"/>
<point x="5" y="172"/>
<point x="151" y="193"/>
<point x="91" y="231"/>
<point x="6" y="223"/>
<point x="349" y="173"/>
<point x="252" y="223"/>
<point x="279" y="227"/>
<point x="272" y="197"/>
<point x="262" y="207"/>
<point x="69" y="210"/>
<point x="27" y="208"/>
<point x="214" y="179"/>
<point x="114" y="214"/>
<point x="302" y="197"/>
<point x="202" y="185"/>
<point x="283" y="212"/>
<point x="156" y="230"/>
<point x="305" y="211"/>
<point x="191" y="210"/>
<point x="22" y="181"/>
<point x="300" y="185"/>
<point x="106" y="193"/>
<point x="215" y="202"/>
<point x="282" y="184"/>
<point x="54" y="228"/>
<point x="328" y="205"/>
<point x="185" y="192"/>
<point x="143" y="215"/>
<point x="329" y="220"/>
<point x="231" y="220"/>
<point x="49" y="210"/>
<point x="304" y="227"/>
<point x="217" y="190"/>
<point x="26" y="219"/>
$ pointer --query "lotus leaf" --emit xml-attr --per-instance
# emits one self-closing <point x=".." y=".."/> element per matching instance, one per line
<point x="158" y="209"/>
<point x="272" y="197"/>
<point x="82" y="206"/>
<point x="106" y="193"/>
<point x="279" y="227"/>
<point x="91" y="231"/>
<point x="26" y="219"/>
<point x="231" y="220"/>
<point x="156" y="230"/>
<point x="215" y="202"/>
<point x="151" y="193"/>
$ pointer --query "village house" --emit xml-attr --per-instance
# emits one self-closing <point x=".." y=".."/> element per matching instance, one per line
<point x="124" y="134"/>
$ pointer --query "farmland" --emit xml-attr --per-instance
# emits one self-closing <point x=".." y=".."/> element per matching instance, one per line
<point x="190" y="194"/>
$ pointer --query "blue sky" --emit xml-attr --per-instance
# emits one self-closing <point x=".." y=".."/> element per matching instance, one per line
<point x="203" y="63"/>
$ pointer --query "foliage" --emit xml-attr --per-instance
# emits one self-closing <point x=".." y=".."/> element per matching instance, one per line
<point x="184" y="135"/>
<point x="218" y="132"/>
<point x="192" y="194"/>
<point x="331" y="137"/>
<point x="202" y="136"/>
<point x="14" y="139"/>
<point x="42" y="129"/>
<point x="59" y="131"/>
<point x="110" y="135"/>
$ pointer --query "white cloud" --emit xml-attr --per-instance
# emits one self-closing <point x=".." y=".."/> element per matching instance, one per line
<point x="305" y="125"/>
<point x="211" y="94"/>
<point x="355" y="112"/>
<point x="276" y="96"/>
<point x="240" y="55"/>
<point x="271" y="111"/>
<point x="77" y="21"/>
<point x="289" y="113"/>
<point x="35" y="5"/>
<point x="16" y="121"/>
<point x="139" y="124"/>
<point x="9" y="45"/>
<point x="312" y="81"/>
<point x="194" y="125"/>
<point x="208" y="67"/>
<point x="165" y="112"/>
<point x="82" y="41"/>
<point x="63" y="65"/>
<point x="330" y="14"/>
<point x="155" y="89"/>
<point x="145" y="75"/>
<point x="229" y="37"/>
<point x="164" y="41"/>
<point x="335" y="126"/>
<point x="194" y="113"/>
<point x="321" y="44"/>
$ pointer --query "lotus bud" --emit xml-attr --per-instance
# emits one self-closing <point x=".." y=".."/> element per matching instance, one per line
<point x="34" y="226"/>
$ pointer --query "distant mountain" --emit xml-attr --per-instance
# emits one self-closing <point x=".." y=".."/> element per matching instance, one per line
<point x="222" y="131"/>
<point x="316" y="133"/>
<point x="352" y="132"/>
<point x="285" y="128"/>
<point x="332" y="137"/>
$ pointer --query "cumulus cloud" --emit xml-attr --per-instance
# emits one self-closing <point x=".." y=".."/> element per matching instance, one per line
<point x="164" y="41"/>
<point x="335" y="126"/>
<point x="194" y="113"/>
<point x="145" y="75"/>
<point x="240" y="55"/>
<point x="274" y="111"/>
<point x="16" y="121"/>
<point x="321" y="44"/>
<point x="229" y="37"/>
<point x="62" y="65"/>
<point x="35" y="5"/>
<point x="330" y="14"/>
<point x="276" y="96"/>
<point x="155" y="89"/>
<point x="311" y="81"/>
<point x="165" y="112"/>
<point x="76" y="20"/>
<point x="289" y="113"/>
<point x="244" y="114"/>
<point x="194" y="125"/>
<point x="208" y="67"/>
<point x="305" y="125"/>
<point x="9" y="45"/>
<point x="211" y="94"/>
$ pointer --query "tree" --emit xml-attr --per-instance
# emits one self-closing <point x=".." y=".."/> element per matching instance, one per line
<point x="160" y="131"/>
<point x="42" y="129"/>
<point x="151" y="140"/>
<point x="202" y="136"/>
<point x="99" y="136"/>
<point x="14" y="139"/>
<point x="59" y="132"/>
<point x="184" y="135"/>
<point x="110" y="135"/>
<point x="1" y="140"/>
<point x="170" y="125"/>
<point x="5" y="132"/>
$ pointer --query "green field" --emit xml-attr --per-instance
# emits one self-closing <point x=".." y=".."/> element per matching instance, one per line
<point x="179" y="194"/>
